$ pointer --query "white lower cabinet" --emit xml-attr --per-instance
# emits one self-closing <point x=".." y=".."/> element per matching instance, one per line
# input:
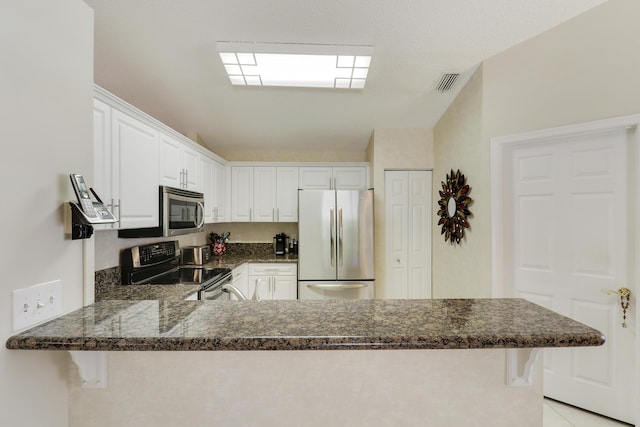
<point x="240" y="279"/>
<point x="273" y="281"/>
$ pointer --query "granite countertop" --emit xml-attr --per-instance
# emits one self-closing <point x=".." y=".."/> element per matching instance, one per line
<point x="308" y="325"/>
<point x="146" y="292"/>
<point x="108" y="281"/>
<point x="235" y="260"/>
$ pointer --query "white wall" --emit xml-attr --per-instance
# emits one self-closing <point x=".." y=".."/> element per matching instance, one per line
<point x="46" y="78"/>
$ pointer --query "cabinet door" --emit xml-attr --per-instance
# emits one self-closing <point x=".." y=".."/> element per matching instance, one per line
<point x="171" y="159"/>
<point x="285" y="287"/>
<point x="315" y="178"/>
<point x="264" y="194"/>
<point x="135" y="149"/>
<point x="191" y="165"/>
<point x="102" y="160"/>
<point x="208" y="188"/>
<point x="222" y="196"/>
<point x="287" y="194"/>
<point x="242" y="194"/>
<point x="350" y="178"/>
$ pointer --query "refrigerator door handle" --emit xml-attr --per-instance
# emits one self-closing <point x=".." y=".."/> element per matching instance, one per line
<point x="337" y="285"/>
<point x="333" y="243"/>
<point x="340" y="233"/>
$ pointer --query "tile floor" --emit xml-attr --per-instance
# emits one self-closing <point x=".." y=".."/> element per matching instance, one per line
<point x="558" y="414"/>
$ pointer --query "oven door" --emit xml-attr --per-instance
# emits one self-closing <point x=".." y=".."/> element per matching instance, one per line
<point x="214" y="292"/>
<point x="182" y="211"/>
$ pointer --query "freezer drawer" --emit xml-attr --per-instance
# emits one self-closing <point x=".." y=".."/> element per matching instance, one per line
<point x="335" y="290"/>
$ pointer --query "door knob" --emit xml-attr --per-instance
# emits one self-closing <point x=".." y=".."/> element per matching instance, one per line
<point x="622" y="292"/>
<point x="625" y="296"/>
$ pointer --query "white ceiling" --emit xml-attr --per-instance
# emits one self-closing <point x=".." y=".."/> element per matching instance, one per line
<point x="160" y="56"/>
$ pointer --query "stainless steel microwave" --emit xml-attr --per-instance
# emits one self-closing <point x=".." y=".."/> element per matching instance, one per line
<point x="181" y="212"/>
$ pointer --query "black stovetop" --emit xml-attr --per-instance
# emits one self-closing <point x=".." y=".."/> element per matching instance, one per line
<point x="191" y="275"/>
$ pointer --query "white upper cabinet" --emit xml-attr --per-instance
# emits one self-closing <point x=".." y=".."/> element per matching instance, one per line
<point x="214" y="186"/>
<point x="208" y="188"/>
<point x="191" y="163"/>
<point x="287" y="194"/>
<point x="103" y="179"/>
<point x="333" y="178"/>
<point x="242" y="194"/>
<point x="222" y="185"/>
<point x="179" y="165"/>
<point x="135" y="155"/>
<point x="264" y="194"/>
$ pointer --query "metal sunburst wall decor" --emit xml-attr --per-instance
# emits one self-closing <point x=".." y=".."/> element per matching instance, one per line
<point x="454" y="207"/>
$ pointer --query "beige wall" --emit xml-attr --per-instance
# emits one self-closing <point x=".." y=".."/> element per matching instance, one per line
<point x="463" y="270"/>
<point x="585" y="69"/>
<point x="393" y="149"/>
<point x="452" y="388"/>
<point x="46" y="82"/>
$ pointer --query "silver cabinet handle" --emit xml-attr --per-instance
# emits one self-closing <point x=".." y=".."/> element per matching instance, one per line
<point x="250" y="214"/>
<point x="278" y="212"/>
<point x="337" y="286"/>
<point x="331" y="227"/>
<point x="273" y="214"/>
<point x="116" y="206"/>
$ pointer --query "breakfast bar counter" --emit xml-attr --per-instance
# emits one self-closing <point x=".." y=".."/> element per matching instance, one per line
<point x="308" y="325"/>
<point x="452" y="362"/>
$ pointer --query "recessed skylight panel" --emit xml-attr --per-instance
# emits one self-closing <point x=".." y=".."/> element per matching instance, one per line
<point x="314" y="69"/>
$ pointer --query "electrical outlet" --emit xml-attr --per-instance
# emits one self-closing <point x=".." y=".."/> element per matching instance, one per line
<point x="36" y="304"/>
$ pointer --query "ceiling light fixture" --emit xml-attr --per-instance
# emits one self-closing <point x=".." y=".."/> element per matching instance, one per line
<point x="296" y="65"/>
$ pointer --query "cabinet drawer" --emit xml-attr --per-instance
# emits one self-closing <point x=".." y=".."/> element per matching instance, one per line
<point x="272" y="269"/>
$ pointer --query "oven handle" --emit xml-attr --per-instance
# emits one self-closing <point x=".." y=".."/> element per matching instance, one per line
<point x="215" y="286"/>
<point x="337" y="285"/>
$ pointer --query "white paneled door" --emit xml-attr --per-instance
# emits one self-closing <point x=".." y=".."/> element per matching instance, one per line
<point x="569" y="238"/>
<point x="407" y="234"/>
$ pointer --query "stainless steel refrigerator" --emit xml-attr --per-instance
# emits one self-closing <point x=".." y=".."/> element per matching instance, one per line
<point x="335" y="252"/>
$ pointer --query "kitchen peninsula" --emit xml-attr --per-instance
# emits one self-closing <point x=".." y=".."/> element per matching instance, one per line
<point x="445" y="362"/>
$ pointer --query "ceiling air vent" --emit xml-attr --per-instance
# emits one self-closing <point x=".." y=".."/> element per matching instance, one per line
<point x="446" y="82"/>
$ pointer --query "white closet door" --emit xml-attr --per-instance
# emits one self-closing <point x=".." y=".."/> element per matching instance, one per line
<point x="419" y="250"/>
<point x="407" y="234"/>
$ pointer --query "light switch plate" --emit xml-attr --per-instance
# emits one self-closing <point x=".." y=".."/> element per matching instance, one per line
<point x="36" y="304"/>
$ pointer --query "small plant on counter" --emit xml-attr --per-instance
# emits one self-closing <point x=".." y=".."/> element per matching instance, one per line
<point x="218" y="242"/>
